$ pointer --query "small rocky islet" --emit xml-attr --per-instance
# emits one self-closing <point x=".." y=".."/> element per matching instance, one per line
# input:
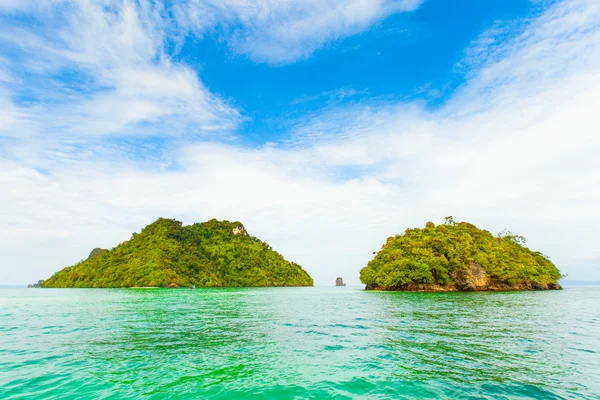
<point x="458" y="257"/>
<point x="168" y="254"/>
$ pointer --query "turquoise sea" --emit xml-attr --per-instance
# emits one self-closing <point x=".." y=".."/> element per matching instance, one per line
<point x="298" y="343"/>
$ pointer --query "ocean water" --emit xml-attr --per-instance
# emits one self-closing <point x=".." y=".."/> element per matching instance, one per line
<point x="298" y="343"/>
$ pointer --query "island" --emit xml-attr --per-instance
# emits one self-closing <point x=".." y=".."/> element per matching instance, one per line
<point x="168" y="254"/>
<point x="458" y="257"/>
<point x="339" y="282"/>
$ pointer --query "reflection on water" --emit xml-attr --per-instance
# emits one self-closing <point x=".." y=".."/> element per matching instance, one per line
<point x="298" y="342"/>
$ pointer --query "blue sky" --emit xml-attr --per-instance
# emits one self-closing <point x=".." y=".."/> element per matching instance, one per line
<point x="401" y="56"/>
<point x="324" y="126"/>
<point x="414" y="55"/>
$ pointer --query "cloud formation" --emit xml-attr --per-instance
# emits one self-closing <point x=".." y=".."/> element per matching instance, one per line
<point x="284" y="31"/>
<point x="91" y="68"/>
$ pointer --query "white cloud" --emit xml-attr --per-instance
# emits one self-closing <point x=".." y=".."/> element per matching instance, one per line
<point x="16" y="5"/>
<point x="280" y="32"/>
<point x="516" y="147"/>
<point x="126" y="83"/>
<point x="123" y="78"/>
<point x="9" y="114"/>
<point x="276" y="32"/>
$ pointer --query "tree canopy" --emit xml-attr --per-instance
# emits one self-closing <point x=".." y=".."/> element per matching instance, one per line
<point x="166" y="253"/>
<point x="445" y="254"/>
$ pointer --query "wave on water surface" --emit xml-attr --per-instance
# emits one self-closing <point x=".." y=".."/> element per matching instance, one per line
<point x="298" y="342"/>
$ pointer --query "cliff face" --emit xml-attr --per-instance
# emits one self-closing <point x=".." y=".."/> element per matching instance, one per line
<point x="458" y="257"/>
<point x="168" y="254"/>
<point x="239" y="230"/>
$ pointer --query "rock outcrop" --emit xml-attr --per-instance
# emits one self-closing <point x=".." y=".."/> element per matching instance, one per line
<point x="339" y="282"/>
<point x="240" y="230"/>
<point x="96" y="252"/>
<point x="36" y="285"/>
<point x="491" y="287"/>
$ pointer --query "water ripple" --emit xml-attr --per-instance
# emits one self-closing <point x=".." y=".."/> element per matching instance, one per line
<point x="298" y="343"/>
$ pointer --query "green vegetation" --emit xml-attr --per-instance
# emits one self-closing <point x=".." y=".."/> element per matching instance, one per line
<point x="458" y="256"/>
<point x="165" y="253"/>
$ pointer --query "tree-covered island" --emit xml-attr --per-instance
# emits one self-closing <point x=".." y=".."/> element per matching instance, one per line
<point x="458" y="257"/>
<point x="168" y="254"/>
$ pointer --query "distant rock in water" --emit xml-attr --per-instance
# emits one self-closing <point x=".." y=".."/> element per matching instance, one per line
<point x="339" y="282"/>
<point x="168" y="254"/>
<point x="458" y="257"/>
<point x="96" y="252"/>
<point x="36" y="285"/>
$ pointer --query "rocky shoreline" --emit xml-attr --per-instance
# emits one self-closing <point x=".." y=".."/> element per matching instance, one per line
<point x="495" y="287"/>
